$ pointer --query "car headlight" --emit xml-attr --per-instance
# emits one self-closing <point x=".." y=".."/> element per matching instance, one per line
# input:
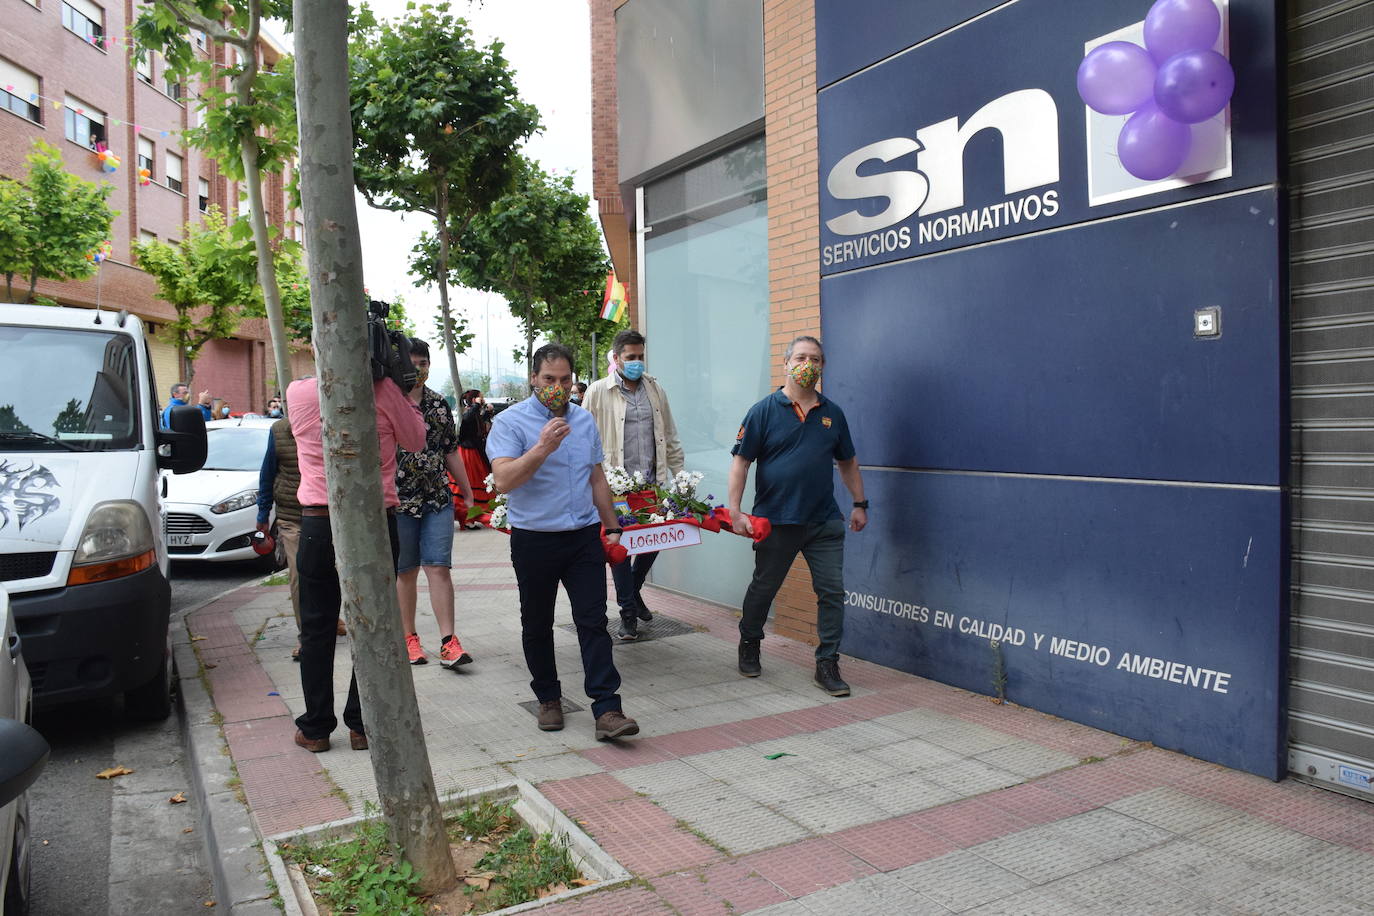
<point x="236" y="502"/>
<point x="114" y="530"/>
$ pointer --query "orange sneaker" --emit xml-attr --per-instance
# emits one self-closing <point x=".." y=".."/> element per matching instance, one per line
<point x="415" y="651"/>
<point x="451" y="654"/>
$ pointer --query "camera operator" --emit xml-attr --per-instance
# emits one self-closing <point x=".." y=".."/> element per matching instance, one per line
<point x="399" y="422"/>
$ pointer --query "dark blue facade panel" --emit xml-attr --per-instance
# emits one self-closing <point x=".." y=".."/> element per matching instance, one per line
<point x="852" y="34"/>
<point x="983" y="127"/>
<point x="1152" y="611"/>
<point x="1072" y="352"/>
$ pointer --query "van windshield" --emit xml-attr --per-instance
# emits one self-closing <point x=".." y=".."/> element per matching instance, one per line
<point x="67" y="390"/>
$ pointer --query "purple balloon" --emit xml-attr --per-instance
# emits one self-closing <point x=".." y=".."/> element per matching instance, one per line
<point x="1116" y="78"/>
<point x="1152" y="146"/>
<point x="1192" y="86"/>
<point x="1172" y="26"/>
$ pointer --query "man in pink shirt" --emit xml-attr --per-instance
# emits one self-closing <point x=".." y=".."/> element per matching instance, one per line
<point x="399" y="422"/>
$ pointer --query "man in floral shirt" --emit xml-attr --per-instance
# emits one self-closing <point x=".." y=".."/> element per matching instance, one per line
<point x="424" y="520"/>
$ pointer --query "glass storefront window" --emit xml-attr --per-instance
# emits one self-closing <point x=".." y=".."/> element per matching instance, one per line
<point x="706" y="320"/>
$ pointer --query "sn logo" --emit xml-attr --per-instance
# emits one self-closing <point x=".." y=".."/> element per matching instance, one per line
<point x="1028" y="122"/>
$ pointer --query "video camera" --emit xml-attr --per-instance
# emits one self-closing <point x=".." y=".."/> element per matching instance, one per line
<point x="388" y="348"/>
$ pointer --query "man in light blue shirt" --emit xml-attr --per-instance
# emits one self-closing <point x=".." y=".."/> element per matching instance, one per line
<point x="180" y="392"/>
<point x="546" y="456"/>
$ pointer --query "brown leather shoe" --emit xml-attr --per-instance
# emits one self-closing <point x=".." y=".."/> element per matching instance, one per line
<point x="357" y="740"/>
<point x="313" y="745"/>
<point x="551" y="715"/>
<point x="615" y="724"/>
<point x="342" y="630"/>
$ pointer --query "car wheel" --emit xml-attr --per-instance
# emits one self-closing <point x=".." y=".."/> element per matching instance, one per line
<point x="17" y="883"/>
<point x="152" y="702"/>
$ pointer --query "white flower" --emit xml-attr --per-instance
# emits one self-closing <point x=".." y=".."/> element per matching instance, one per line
<point x="656" y="518"/>
<point x="639" y="479"/>
<point x="498" y="517"/>
<point x="490" y="483"/>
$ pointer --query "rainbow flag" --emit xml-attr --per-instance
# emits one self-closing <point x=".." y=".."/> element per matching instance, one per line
<point x="614" y="307"/>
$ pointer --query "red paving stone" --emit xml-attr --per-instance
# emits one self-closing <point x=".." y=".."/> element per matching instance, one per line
<point x="1035" y="804"/>
<point x="762" y="728"/>
<point x="890" y="844"/>
<point x="1096" y="783"/>
<point x="625" y="901"/>
<point x="726" y="887"/>
<point x="809" y="866"/>
<point x="289" y="791"/>
<point x="696" y="741"/>
<point x="818" y="718"/>
<point x="968" y="822"/>
<point x="628" y="754"/>
<point x="643" y="837"/>
<point x="585" y="791"/>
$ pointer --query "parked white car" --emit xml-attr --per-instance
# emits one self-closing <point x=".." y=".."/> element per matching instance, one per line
<point x="212" y="513"/>
<point x="25" y="753"/>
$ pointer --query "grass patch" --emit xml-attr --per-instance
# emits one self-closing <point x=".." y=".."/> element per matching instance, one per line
<point x="501" y="862"/>
<point x="277" y="578"/>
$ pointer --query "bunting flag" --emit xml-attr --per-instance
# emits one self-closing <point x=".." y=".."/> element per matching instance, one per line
<point x="613" y="306"/>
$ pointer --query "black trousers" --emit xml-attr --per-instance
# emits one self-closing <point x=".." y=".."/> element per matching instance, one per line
<point x="629" y="579"/>
<point x="320" y="601"/>
<point x="542" y="560"/>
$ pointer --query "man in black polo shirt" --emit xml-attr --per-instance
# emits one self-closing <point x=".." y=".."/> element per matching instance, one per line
<point x="796" y="434"/>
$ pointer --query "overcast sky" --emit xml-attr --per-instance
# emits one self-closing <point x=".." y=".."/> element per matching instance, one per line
<point x="547" y="43"/>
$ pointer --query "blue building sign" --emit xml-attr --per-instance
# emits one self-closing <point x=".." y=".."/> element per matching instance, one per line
<point x="1067" y="384"/>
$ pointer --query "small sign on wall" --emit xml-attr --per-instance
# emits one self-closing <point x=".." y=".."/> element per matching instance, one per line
<point x="663" y="536"/>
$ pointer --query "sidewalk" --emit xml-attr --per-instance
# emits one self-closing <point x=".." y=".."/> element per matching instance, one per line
<point x="908" y="797"/>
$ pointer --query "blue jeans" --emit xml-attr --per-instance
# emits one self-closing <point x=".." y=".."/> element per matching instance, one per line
<point x="425" y="541"/>
<point x="822" y="544"/>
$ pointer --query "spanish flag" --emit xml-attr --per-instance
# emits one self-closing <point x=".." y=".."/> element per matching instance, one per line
<point x="613" y="307"/>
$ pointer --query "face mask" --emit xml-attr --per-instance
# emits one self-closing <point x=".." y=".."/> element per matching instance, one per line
<point x="576" y="399"/>
<point x="274" y="412"/>
<point x="805" y="374"/>
<point x="224" y="411"/>
<point x="421" y="375"/>
<point x="633" y="369"/>
<point x="554" y="397"/>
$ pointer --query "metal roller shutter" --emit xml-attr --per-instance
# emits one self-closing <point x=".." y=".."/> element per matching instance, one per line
<point x="1331" y="238"/>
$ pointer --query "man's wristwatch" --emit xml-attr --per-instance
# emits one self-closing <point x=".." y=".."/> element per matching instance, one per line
<point x="861" y="504"/>
<point x="615" y="530"/>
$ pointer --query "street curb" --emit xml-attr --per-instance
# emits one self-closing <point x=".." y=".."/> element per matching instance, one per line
<point x="230" y="839"/>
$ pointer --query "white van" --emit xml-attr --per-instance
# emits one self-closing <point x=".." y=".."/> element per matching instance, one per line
<point x="81" y="530"/>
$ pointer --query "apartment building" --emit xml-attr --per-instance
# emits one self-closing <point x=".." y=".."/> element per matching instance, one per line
<point x="69" y="77"/>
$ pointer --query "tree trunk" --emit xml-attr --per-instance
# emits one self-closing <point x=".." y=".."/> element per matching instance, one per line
<point x="257" y="211"/>
<point x="442" y="208"/>
<point x="400" y="760"/>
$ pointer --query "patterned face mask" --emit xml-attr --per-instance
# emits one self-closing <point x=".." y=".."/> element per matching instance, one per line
<point x="805" y="374"/>
<point x="421" y="376"/>
<point x="554" y="397"/>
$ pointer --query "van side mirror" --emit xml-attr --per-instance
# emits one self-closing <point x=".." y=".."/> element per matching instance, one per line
<point x="181" y="449"/>
<point x="26" y="753"/>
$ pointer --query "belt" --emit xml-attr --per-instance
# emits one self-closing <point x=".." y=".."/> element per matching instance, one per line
<point x="318" y="511"/>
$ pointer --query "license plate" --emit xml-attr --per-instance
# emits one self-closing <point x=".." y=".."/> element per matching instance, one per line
<point x="178" y="540"/>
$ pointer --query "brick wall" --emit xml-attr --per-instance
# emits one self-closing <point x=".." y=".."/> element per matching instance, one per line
<point x="789" y="99"/>
<point x="605" y="152"/>
<point x="106" y="79"/>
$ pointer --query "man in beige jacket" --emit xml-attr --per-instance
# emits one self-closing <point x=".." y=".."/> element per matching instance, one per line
<point x="638" y="434"/>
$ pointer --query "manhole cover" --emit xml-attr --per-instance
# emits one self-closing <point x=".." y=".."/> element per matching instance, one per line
<point x="659" y="628"/>
<point x="532" y="706"/>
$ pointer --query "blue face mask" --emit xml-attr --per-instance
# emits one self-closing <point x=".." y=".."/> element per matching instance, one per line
<point x="633" y="369"/>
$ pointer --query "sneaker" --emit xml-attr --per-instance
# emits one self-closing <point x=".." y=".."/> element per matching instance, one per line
<point x="313" y="745"/>
<point x="551" y="715"/>
<point x="615" y="724"/>
<point x="749" y="658"/>
<point x="357" y="740"/>
<point x="629" y="629"/>
<point x="451" y="654"/>
<point x="828" y="677"/>
<point x="415" y="651"/>
<point x="644" y="613"/>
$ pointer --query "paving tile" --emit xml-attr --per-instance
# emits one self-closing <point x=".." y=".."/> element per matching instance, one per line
<point x="1035" y="804"/>
<point x="784" y="784"/>
<point x="876" y="895"/>
<point x="695" y="741"/>
<point x="1258" y="842"/>
<point x="626" y="754"/>
<point x="1283" y="894"/>
<point x="969" y="822"/>
<point x="644" y="838"/>
<point x="789" y="908"/>
<point x="914" y="754"/>
<point x="1027" y="758"/>
<point x="664" y="777"/>
<point x="1039" y="854"/>
<point x="831" y="811"/>
<point x="1200" y="869"/>
<point x="585" y="791"/>
<point x="1337" y="871"/>
<point x="1109" y="833"/>
<point x="806" y="867"/>
<point x="966" y="738"/>
<point x="1034" y="902"/>
<point x="970" y="777"/>
<point x="892" y="843"/>
<point x="536" y="770"/>
<point x="1119" y="889"/>
<point x="623" y="901"/>
<point x="1173" y="810"/>
<point x="730" y="819"/>
<point x="916" y="722"/>
<point x="961" y="880"/>
<point x="725" y="887"/>
<point x="904" y="793"/>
